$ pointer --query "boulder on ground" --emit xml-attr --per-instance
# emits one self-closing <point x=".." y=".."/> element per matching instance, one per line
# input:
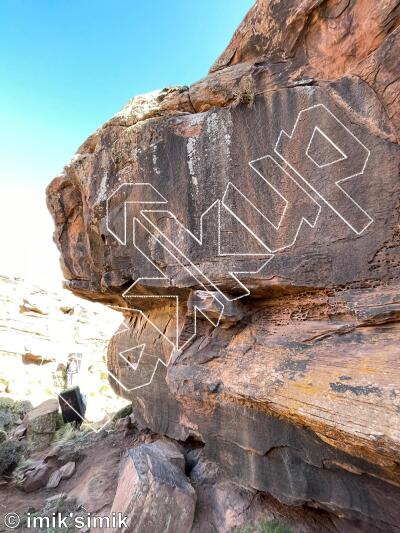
<point x="153" y="491"/>
<point x="41" y="424"/>
<point x="36" y="477"/>
<point x="65" y="472"/>
<point x="19" y="432"/>
<point x="260" y="290"/>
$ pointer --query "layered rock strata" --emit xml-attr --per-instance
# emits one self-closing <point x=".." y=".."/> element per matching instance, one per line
<point x="247" y="227"/>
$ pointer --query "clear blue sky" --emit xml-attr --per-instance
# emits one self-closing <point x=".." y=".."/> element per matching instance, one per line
<point x="68" y="65"/>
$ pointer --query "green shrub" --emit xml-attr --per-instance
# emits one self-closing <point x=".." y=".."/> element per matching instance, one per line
<point x="68" y="436"/>
<point x="123" y="412"/>
<point x="60" y="504"/>
<point x="7" y="417"/>
<point x="60" y="421"/>
<point x="10" y="454"/>
<point x="11" y="411"/>
<point x="64" y="434"/>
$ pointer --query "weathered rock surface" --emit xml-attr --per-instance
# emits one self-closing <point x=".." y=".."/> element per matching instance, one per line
<point x="65" y="472"/>
<point x="36" y="477"/>
<point x="153" y="492"/>
<point x="41" y="424"/>
<point x="224" y="506"/>
<point x="40" y="326"/>
<point x="269" y="331"/>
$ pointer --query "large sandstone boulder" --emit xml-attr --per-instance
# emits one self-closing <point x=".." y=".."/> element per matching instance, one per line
<point x="153" y="492"/>
<point x="41" y="424"/>
<point x="247" y="227"/>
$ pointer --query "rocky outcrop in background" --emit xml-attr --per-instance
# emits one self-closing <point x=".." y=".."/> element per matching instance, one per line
<point x="40" y="330"/>
<point x="267" y="333"/>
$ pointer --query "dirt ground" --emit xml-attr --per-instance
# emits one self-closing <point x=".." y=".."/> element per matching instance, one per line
<point x="93" y="484"/>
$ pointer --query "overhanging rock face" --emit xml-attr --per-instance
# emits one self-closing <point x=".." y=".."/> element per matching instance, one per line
<point x="248" y="229"/>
